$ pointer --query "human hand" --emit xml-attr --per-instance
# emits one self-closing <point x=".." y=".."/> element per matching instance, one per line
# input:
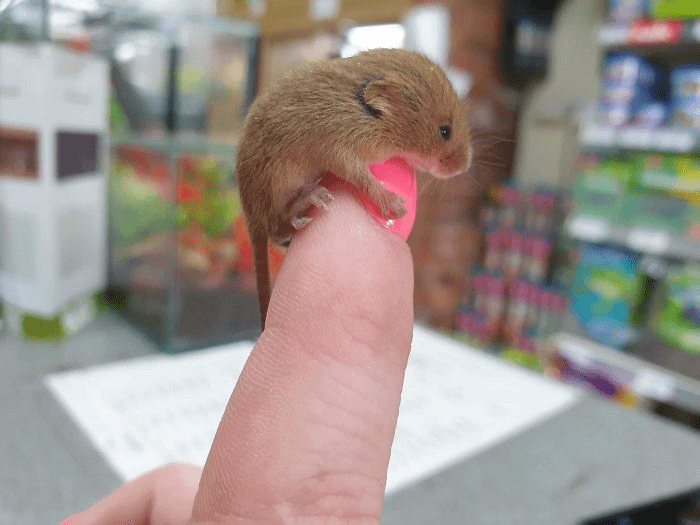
<point x="307" y="432"/>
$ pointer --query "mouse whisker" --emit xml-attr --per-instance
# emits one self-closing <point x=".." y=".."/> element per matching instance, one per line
<point x="483" y="162"/>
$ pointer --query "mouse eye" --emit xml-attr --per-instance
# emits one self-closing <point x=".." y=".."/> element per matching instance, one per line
<point x="445" y="132"/>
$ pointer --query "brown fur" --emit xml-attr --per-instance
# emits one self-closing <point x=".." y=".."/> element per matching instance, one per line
<point x="340" y="116"/>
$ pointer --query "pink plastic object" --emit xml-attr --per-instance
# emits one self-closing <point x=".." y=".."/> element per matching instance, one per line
<point x="398" y="177"/>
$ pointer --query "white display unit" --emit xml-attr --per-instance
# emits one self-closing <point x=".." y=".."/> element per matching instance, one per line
<point x="53" y="161"/>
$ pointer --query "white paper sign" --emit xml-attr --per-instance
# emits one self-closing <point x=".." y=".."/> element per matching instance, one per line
<point x="456" y="402"/>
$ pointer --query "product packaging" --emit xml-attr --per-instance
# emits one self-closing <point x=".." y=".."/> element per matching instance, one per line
<point x="675" y="9"/>
<point x="651" y="115"/>
<point x="538" y="253"/>
<point x="523" y="352"/>
<point x="685" y="96"/>
<point x="511" y="207"/>
<point x="601" y="186"/>
<point x="472" y="328"/>
<point x="540" y="212"/>
<point x="595" y="378"/>
<point x="625" y="11"/>
<point x="605" y="294"/>
<point x="678" y="321"/>
<point x="480" y="283"/>
<point x="664" y="194"/>
<point x="495" y="306"/>
<point x="517" y="312"/>
<point x="494" y="252"/>
<point x="633" y="85"/>
<point x="552" y="306"/>
<point x="514" y="254"/>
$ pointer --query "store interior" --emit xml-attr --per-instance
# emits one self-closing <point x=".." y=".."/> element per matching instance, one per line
<point x="569" y="250"/>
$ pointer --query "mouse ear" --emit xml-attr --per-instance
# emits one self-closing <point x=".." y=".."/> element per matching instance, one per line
<point x="376" y="96"/>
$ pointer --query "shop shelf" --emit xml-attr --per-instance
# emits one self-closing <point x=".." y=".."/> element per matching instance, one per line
<point x="666" y="139"/>
<point x="654" y="242"/>
<point x="642" y="376"/>
<point x="655" y="34"/>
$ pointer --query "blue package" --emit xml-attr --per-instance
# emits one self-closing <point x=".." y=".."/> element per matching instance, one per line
<point x="685" y="96"/>
<point x="622" y="106"/>
<point x="627" y="10"/>
<point x="633" y="90"/>
<point x="651" y="115"/>
<point x="604" y="294"/>
<point x="633" y="71"/>
<point x="617" y="113"/>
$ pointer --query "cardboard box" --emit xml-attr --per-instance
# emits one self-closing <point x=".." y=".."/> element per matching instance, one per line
<point x="53" y="134"/>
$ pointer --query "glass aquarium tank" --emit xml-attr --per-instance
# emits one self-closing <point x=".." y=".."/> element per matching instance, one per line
<point x="170" y="70"/>
<point x="190" y="74"/>
<point x="176" y="87"/>
<point x="181" y="261"/>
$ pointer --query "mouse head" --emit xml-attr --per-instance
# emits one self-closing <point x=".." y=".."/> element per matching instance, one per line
<point x="418" y="114"/>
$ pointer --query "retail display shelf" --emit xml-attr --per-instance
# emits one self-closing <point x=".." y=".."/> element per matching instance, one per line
<point x="659" y="34"/>
<point x="644" y="378"/>
<point x="654" y="242"/>
<point x="667" y="139"/>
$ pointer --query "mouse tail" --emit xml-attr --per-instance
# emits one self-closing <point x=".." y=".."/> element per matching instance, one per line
<point x="262" y="274"/>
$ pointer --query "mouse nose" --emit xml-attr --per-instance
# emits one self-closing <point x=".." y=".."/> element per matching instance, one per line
<point x="454" y="162"/>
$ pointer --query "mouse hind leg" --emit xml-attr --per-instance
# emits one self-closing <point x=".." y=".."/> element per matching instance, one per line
<point x="310" y="194"/>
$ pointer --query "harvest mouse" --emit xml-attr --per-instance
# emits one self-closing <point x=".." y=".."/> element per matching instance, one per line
<point x="340" y="116"/>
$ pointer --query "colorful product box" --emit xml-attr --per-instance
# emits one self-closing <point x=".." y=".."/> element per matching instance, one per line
<point x="685" y="95"/>
<point x="664" y="194"/>
<point x="678" y="322"/>
<point x="635" y="72"/>
<point x="605" y="294"/>
<point x="601" y="186"/>
<point x="634" y="90"/>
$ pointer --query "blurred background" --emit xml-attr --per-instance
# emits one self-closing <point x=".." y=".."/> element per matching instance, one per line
<point x="570" y="247"/>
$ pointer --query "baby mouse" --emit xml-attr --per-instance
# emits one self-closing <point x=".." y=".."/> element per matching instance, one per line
<point x="341" y="116"/>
